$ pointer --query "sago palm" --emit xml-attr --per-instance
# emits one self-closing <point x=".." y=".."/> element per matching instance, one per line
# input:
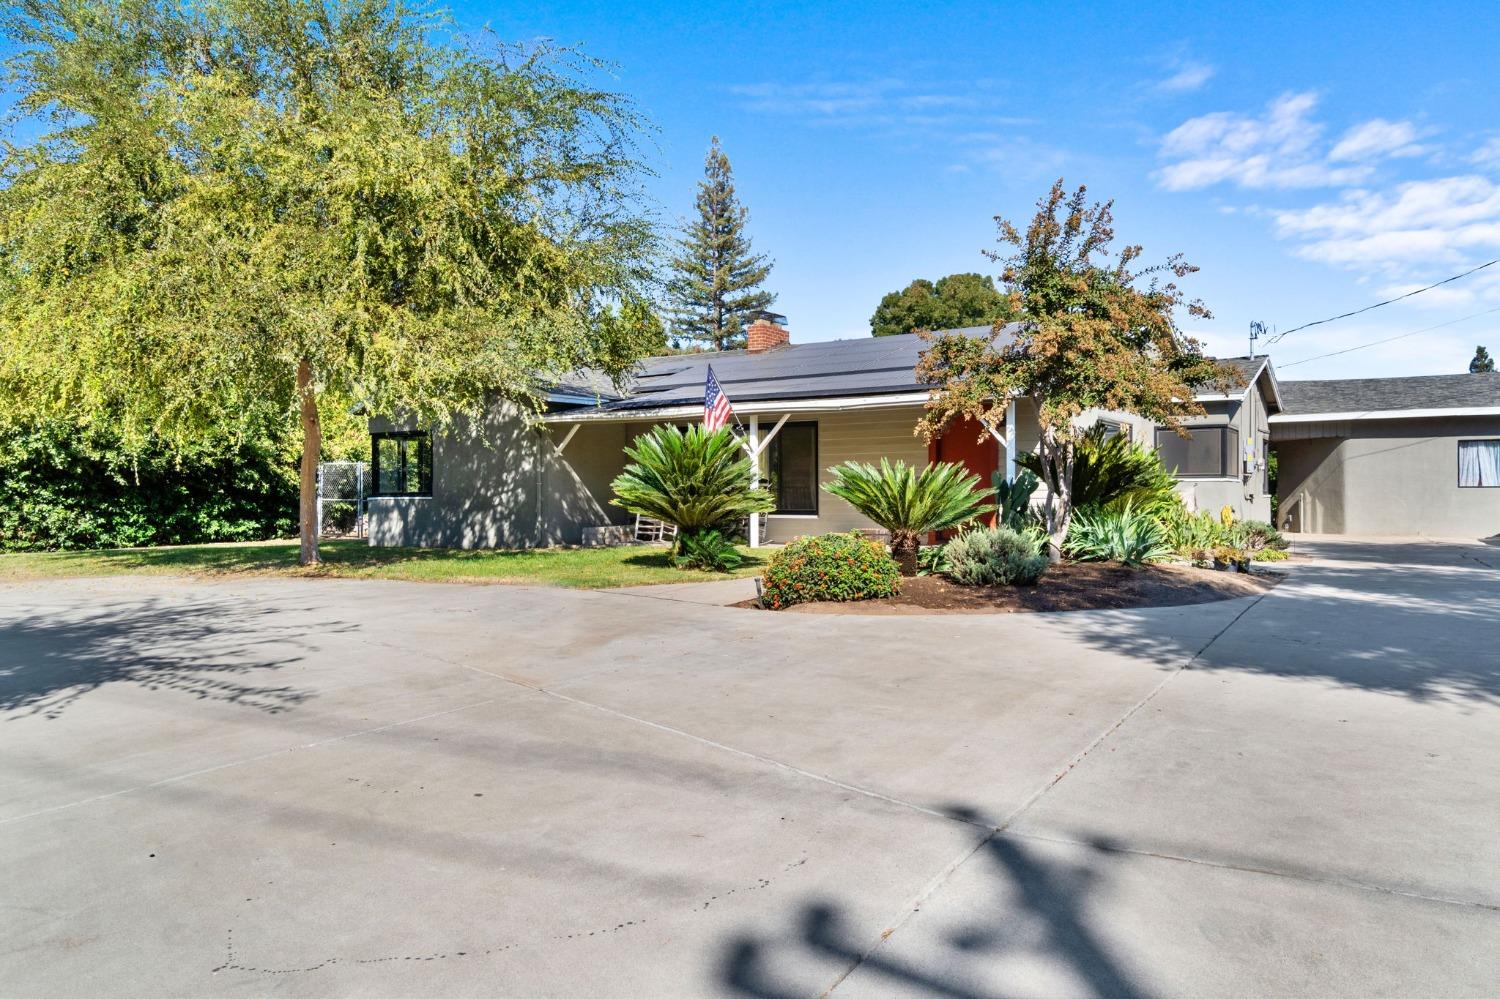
<point x="695" y="479"/>
<point x="908" y="502"/>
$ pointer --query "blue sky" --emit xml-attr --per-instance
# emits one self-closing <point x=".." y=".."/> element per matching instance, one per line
<point x="1310" y="158"/>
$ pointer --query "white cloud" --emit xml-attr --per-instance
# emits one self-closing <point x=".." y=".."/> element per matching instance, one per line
<point x="1277" y="149"/>
<point x="888" y="103"/>
<point x="1487" y="155"/>
<point x="1417" y="223"/>
<point x="1375" y="139"/>
<point x="1189" y="77"/>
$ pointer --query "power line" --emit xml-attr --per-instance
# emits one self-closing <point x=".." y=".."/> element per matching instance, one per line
<point x="1282" y="335"/>
<point x="1401" y="336"/>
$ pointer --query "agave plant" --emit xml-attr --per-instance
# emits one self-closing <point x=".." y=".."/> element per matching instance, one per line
<point x="1124" y="535"/>
<point x="695" y="479"/>
<point x="909" y="503"/>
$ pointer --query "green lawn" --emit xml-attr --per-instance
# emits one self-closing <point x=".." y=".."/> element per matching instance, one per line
<point x="585" y="568"/>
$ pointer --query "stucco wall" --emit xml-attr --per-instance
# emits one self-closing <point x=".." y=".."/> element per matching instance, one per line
<point x="505" y="488"/>
<point x="1383" y="477"/>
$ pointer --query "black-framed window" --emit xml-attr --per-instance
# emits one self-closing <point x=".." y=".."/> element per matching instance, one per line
<point x="1478" y="464"/>
<point x="1206" y="453"/>
<point x="793" y="468"/>
<point x="401" y="463"/>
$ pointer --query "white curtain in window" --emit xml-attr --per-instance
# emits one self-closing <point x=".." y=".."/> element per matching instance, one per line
<point x="1479" y="463"/>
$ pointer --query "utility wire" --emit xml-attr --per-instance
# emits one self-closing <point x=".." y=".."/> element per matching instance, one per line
<point x="1282" y="335"/>
<point x="1401" y="336"/>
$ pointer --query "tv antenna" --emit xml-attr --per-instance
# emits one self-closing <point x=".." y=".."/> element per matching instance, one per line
<point x="1257" y="330"/>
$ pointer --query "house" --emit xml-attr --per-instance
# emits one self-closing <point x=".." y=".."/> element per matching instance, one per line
<point x="1390" y="456"/>
<point x="803" y="408"/>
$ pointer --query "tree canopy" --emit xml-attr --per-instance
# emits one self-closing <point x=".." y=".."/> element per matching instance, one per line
<point x="1482" y="362"/>
<point x="1094" y="333"/>
<point x="716" y="280"/>
<point x="953" y="302"/>
<point x="232" y="209"/>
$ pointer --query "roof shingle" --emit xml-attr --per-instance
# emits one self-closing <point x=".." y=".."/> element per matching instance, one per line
<point x="1367" y="395"/>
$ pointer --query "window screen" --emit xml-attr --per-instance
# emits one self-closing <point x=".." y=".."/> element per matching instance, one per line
<point x="1479" y="463"/>
<point x="402" y="464"/>
<point x="1207" y="452"/>
<point x="794" y="468"/>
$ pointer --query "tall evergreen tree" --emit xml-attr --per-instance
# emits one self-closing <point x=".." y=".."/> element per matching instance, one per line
<point x="716" y="284"/>
<point x="1482" y="362"/>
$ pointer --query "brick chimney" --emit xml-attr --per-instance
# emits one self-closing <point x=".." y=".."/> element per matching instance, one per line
<point x="766" y="333"/>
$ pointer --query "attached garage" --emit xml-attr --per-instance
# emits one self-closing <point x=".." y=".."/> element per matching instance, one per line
<point x="1396" y="457"/>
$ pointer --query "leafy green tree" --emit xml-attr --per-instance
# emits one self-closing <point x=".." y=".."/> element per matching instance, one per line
<point x="716" y="280"/>
<point x="954" y="302"/>
<point x="1093" y="333"/>
<point x="1482" y="362"/>
<point x="909" y="502"/>
<point x="236" y="212"/>
<point x="698" y="480"/>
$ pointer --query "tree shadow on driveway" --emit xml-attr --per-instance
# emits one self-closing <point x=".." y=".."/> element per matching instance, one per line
<point x="211" y="650"/>
<point x="1039" y="914"/>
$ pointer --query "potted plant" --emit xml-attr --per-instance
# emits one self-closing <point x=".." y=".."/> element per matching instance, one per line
<point x="1225" y="556"/>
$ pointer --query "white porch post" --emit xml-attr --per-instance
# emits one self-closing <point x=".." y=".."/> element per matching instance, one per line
<point x="754" y="477"/>
<point x="1010" y="441"/>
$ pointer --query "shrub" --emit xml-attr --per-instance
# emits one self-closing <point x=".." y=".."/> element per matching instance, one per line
<point x="711" y="550"/>
<point x="995" y="556"/>
<point x="1126" y="535"/>
<point x="67" y="487"/>
<point x="696" y="479"/>
<point x="830" y="567"/>
<point x="908" y="502"/>
<point x="1259" y="535"/>
<point x="932" y="560"/>
<point x="1111" y="472"/>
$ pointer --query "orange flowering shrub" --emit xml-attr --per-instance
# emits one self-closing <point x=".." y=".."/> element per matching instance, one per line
<point x="830" y="567"/>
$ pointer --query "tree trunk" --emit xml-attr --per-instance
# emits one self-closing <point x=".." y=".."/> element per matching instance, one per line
<point x="904" y="551"/>
<point x="312" y="449"/>
<point x="1057" y="462"/>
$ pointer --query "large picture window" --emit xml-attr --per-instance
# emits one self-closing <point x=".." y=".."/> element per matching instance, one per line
<point x="1478" y="464"/>
<point x="402" y="464"/>
<point x="794" y="469"/>
<point x="1206" y="453"/>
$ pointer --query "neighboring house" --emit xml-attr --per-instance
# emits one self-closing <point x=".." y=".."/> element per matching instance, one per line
<point x="803" y="409"/>
<point x="1390" y="456"/>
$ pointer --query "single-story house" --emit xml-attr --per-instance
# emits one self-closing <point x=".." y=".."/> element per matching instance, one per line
<point x="1390" y="456"/>
<point x="803" y="409"/>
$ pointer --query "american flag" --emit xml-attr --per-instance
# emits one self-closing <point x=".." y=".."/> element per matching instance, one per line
<point x="716" y="408"/>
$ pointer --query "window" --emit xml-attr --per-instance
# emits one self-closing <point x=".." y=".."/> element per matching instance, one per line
<point x="402" y="464"/>
<point x="1113" y="428"/>
<point x="1206" y="453"/>
<point x="794" y="469"/>
<point x="1478" y="464"/>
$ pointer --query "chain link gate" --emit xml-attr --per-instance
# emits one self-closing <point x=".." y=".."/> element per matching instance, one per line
<point x="341" y="499"/>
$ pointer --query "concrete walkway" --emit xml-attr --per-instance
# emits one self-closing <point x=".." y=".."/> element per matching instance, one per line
<point x="317" y="788"/>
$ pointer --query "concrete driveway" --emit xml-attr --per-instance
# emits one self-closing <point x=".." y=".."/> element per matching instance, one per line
<point x="262" y="787"/>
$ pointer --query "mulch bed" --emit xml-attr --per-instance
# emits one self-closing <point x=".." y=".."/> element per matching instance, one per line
<point x="1066" y="587"/>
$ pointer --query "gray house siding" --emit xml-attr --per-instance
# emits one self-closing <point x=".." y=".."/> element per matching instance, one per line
<point x="1392" y="477"/>
<point x="1244" y="491"/>
<point x="505" y="488"/>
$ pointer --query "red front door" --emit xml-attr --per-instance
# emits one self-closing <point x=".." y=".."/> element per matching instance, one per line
<point x="975" y="448"/>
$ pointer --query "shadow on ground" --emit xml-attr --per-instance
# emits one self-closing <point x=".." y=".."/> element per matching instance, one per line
<point x="1415" y="621"/>
<point x="47" y="663"/>
<point x="1039" y="916"/>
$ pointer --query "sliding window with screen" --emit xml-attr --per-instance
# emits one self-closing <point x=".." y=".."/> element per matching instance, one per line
<point x="1206" y="453"/>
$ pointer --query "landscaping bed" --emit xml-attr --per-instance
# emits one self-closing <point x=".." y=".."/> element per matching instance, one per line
<point x="1065" y="587"/>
